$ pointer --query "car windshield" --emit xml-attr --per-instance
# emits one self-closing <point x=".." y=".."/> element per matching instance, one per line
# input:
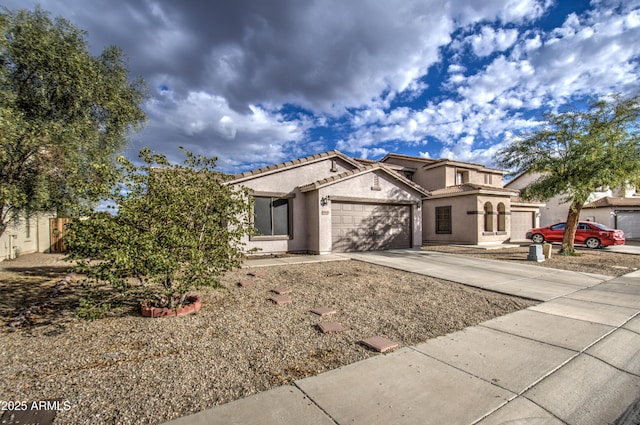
<point x="602" y="227"/>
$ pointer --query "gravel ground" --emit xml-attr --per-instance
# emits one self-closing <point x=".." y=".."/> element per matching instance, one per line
<point x="128" y="369"/>
<point x="599" y="261"/>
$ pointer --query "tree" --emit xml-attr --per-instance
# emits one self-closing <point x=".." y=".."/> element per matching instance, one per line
<point x="177" y="227"/>
<point x="577" y="152"/>
<point x="64" y="115"/>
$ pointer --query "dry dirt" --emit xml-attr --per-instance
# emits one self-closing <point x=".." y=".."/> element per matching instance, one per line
<point x="129" y="369"/>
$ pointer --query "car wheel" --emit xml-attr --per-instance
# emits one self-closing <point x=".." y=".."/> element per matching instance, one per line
<point x="592" y="243"/>
<point x="537" y="238"/>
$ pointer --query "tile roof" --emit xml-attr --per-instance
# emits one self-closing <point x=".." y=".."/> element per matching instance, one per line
<point x="364" y="169"/>
<point x="470" y="187"/>
<point x="294" y="163"/>
<point x="609" y="201"/>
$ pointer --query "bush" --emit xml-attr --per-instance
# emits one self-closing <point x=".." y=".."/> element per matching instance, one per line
<point x="176" y="227"/>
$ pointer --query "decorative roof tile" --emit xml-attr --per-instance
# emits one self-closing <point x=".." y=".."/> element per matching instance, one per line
<point x="362" y="170"/>
<point x="294" y="163"/>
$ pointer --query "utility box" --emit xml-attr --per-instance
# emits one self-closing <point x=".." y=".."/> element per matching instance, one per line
<point x="535" y="253"/>
<point x="546" y="250"/>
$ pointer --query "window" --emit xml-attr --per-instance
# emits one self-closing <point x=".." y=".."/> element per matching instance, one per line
<point x="502" y="226"/>
<point x="488" y="217"/>
<point x="559" y="226"/>
<point x="488" y="178"/>
<point x="272" y="216"/>
<point x="27" y="228"/>
<point x="459" y="177"/>
<point x="408" y="174"/>
<point x="443" y="220"/>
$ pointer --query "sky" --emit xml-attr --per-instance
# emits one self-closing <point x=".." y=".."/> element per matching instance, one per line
<point x="258" y="82"/>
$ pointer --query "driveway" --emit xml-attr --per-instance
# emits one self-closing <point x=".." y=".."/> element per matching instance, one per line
<point x="538" y="283"/>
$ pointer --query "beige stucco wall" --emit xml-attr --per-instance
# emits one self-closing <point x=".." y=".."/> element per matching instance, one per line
<point x="433" y="178"/>
<point x="16" y="241"/>
<point x="464" y="227"/>
<point x="494" y="235"/>
<point x="599" y="215"/>
<point x="467" y="216"/>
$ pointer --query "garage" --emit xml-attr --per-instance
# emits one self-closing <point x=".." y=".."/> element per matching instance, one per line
<point x="521" y="222"/>
<point x="357" y="226"/>
<point x="629" y="223"/>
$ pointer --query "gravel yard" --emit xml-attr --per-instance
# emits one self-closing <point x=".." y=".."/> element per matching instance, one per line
<point x="129" y="369"/>
<point x="599" y="261"/>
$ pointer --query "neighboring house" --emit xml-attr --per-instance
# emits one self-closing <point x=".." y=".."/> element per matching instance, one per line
<point x="330" y="202"/>
<point x="25" y="235"/>
<point x="467" y="202"/>
<point x="619" y="209"/>
<point x="618" y="212"/>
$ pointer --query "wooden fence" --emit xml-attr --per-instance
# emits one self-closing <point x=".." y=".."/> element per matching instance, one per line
<point x="56" y="229"/>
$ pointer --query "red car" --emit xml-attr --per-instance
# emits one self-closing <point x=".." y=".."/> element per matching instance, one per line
<point x="593" y="235"/>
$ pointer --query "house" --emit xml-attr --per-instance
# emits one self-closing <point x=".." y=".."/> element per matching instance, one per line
<point x="616" y="208"/>
<point x="25" y="235"/>
<point x="467" y="202"/>
<point x="330" y="202"/>
<point x="618" y="212"/>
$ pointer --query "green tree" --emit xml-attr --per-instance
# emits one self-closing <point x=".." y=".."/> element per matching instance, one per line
<point x="177" y="227"/>
<point x="578" y="151"/>
<point x="64" y="115"/>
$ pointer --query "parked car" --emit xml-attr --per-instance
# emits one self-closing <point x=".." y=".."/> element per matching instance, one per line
<point x="593" y="235"/>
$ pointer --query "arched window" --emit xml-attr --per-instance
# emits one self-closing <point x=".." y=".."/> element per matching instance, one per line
<point x="488" y="217"/>
<point x="502" y="226"/>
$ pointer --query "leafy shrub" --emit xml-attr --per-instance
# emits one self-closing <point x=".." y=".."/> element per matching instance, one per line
<point x="176" y="227"/>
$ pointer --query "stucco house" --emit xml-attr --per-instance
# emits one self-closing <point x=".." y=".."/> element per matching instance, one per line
<point x="330" y="202"/>
<point x="616" y="208"/>
<point x="468" y="203"/>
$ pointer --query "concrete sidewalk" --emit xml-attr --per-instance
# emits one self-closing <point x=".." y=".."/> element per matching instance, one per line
<point x="573" y="359"/>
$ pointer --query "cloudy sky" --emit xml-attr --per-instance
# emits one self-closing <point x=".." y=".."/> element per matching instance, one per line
<point x="256" y="82"/>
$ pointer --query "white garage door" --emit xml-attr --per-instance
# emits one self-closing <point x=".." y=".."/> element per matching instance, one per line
<point x="521" y="222"/>
<point x="629" y="222"/>
<point x="369" y="227"/>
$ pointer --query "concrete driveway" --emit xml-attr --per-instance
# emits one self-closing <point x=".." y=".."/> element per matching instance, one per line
<point x="538" y="283"/>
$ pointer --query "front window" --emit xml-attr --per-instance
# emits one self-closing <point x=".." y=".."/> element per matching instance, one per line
<point x="502" y="225"/>
<point x="443" y="220"/>
<point x="488" y="217"/>
<point x="272" y="216"/>
<point x="559" y="226"/>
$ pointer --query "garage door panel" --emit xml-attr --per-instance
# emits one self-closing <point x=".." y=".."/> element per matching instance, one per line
<point x="521" y="222"/>
<point x="629" y="223"/>
<point x="367" y="227"/>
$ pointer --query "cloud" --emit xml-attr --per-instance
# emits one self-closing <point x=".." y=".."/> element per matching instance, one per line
<point x="489" y="40"/>
<point x="261" y="137"/>
<point x="257" y="82"/>
<point x="589" y="55"/>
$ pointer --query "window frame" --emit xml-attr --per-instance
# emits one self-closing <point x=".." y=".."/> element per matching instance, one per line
<point x="273" y="218"/>
<point x="443" y="215"/>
